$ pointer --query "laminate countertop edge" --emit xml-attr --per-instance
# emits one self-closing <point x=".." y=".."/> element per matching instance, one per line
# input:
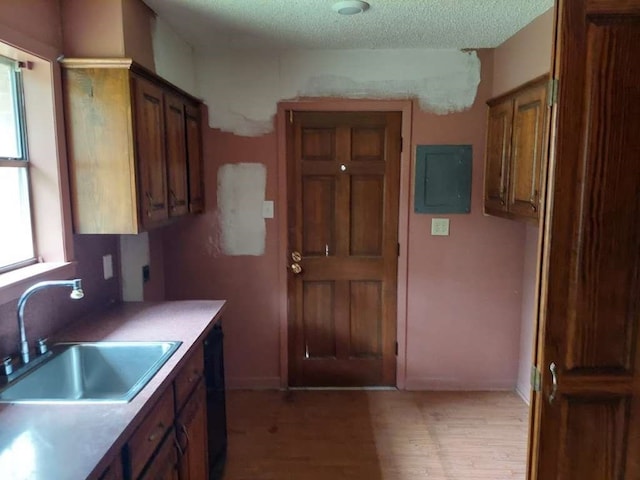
<point x="78" y="441"/>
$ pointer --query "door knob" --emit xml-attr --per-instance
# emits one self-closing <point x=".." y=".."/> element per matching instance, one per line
<point x="296" y="268"/>
<point x="296" y="257"/>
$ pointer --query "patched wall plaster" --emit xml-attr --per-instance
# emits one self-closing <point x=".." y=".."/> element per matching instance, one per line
<point x="241" y="192"/>
<point x="243" y="88"/>
<point x="174" y="58"/>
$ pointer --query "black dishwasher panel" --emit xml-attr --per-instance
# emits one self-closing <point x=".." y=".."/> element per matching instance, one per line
<point x="216" y="411"/>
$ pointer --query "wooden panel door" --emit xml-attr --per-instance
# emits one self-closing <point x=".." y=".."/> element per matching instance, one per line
<point x="498" y="156"/>
<point x="192" y="434"/>
<point x="528" y="150"/>
<point x="587" y="427"/>
<point x="150" y="151"/>
<point x="176" y="155"/>
<point x="194" y="159"/>
<point x="344" y="181"/>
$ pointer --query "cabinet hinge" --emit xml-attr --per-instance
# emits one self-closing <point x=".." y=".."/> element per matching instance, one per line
<point x="536" y="379"/>
<point x="396" y="349"/>
<point x="290" y="116"/>
<point x="553" y="91"/>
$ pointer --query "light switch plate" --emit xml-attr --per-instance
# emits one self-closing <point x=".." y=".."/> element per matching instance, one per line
<point x="440" y="227"/>
<point x="107" y="266"/>
<point x="267" y="209"/>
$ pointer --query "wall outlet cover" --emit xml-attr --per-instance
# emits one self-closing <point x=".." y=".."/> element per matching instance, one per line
<point x="107" y="266"/>
<point x="440" y="227"/>
<point x="267" y="209"/>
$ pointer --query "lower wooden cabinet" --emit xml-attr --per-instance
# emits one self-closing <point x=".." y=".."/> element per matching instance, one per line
<point x="171" y="442"/>
<point x="165" y="464"/>
<point x="191" y="431"/>
<point x="113" y="471"/>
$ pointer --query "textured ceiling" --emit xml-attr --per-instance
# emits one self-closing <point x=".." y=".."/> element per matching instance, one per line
<point x="312" y="24"/>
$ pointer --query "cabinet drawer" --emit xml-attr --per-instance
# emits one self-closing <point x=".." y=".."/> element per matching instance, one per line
<point x="148" y="436"/>
<point x="188" y="377"/>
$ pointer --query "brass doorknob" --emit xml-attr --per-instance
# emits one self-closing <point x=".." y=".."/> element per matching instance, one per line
<point x="296" y="268"/>
<point x="296" y="257"/>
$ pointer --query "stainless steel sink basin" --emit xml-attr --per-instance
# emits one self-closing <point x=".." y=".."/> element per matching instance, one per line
<point x="107" y="372"/>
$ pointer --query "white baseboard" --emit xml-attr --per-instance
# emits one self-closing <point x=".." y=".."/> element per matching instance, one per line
<point x="443" y="384"/>
<point x="523" y="396"/>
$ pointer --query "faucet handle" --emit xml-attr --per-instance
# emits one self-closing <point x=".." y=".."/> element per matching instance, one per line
<point x="42" y="346"/>
<point x="7" y="366"/>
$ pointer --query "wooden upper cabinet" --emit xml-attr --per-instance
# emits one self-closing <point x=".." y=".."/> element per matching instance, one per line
<point x="129" y="144"/>
<point x="528" y="145"/>
<point x="176" y="155"/>
<point x="498" y="155"/>
<point x="194" y="158"/>
<point x="516" y="152"/>
<point x="150" y="151"/>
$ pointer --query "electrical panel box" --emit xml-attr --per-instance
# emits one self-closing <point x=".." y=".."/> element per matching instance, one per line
<point x="443" y="179"/>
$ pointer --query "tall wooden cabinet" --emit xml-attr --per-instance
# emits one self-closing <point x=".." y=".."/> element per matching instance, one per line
<point x="134" y="144"/>
<point x="516" y="152"/>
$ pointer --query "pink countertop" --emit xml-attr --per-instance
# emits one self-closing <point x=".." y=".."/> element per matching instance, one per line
<point x="59" y="442"/>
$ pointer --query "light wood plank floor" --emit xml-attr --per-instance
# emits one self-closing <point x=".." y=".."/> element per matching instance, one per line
<point x="375" y="435"/>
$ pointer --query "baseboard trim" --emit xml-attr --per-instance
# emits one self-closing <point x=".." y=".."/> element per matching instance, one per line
<point x="253" y="383"/>
<point x="523" y="396"/>
<point x="440" y="384"/>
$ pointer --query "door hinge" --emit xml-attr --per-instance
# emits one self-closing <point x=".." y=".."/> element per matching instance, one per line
<point x="401" y="143"/>
<point x="290" y="116"/>
<point x="536" y="379"/>
<point x="396" y="349"/>
<point x="553" y="91"/>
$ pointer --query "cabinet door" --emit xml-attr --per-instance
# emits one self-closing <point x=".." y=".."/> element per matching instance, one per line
<point x="150" y="151"/>
<point x="528" y="151"/>
<point x="498" y="153"/>
<point x="176" y="155"/>
<point x="164" y="465"/>
<point x="191" y="429"/>
<point x="113" y="471"/>
<point x="194" y="157"/>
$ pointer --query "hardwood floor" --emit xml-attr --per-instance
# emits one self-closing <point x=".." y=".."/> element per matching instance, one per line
<point x="375" y="435"/>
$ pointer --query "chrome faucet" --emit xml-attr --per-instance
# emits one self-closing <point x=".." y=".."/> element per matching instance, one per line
<point x="76" y="294"/>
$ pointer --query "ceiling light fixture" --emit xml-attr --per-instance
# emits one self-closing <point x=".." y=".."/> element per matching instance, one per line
<point x="350" y="7"/>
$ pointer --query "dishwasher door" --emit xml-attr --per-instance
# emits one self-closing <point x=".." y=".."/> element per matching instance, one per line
<point x="216" y="411"/>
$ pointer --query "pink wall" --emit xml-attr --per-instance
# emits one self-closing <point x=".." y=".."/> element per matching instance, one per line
<point x="463" y="309"/>
<point x="114" y="28"/>
<point x="136" y="25"/>
<point x="92" y="29"/>
<point x="463" y="312"/>
<point x="35" y="26"/>
<point x="37" y="19"/>
<point x="194" y="268"/>
<point x="524" y="56"/>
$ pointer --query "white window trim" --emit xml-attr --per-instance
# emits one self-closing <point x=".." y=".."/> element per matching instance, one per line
<point x="51" y="210"/>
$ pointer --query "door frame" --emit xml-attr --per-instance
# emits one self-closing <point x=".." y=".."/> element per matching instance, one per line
<point x="406" y="169"/>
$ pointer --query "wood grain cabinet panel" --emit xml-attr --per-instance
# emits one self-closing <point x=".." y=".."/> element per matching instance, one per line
<point x="516" y="152"/>
<point x="176" y="141"/>
<point x="134" y="147"/>
<point x="191" y="431"/>
<point x="194" y="158"/>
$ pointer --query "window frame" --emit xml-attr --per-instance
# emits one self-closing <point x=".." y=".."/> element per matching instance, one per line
<point x="50" y="198"/>
<point x="22" y="161"/>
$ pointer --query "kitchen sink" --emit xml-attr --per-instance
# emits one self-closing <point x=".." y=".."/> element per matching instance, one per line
<point x="101" y="372"/>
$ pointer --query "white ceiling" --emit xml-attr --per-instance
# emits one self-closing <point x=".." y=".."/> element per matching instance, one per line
<point x="312" y="24"/>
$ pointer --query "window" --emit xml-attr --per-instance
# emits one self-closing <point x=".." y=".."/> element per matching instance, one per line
<point x="16" y="239"/>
